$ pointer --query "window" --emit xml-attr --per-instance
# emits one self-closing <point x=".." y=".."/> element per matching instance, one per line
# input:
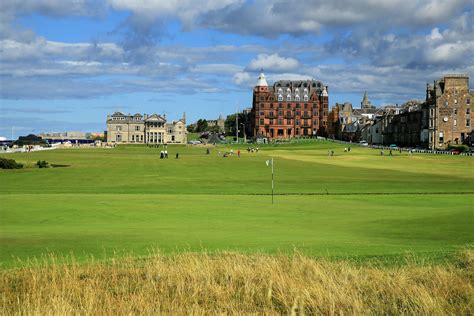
<point x="431" y="122"/>
<point x="280" y="90"/>
<point x="297" y="122"/>
<point x="118" y="128"/>
<point x="468" y="122"/>
<point x="133" y="138"/>
<point x="261" y="121"/>
<point x="280" y="112"/>
<point x="288" y="90"/>
<point x="297" y="98"/>
<point x="262" y="98"/>
<point x="446" y="104"/>
<point x="280" y="132"/>
<point x="288" y="97"/>
<point x="468" y="101"/>
<point x="297" y="90"/>
<point x="137" y="128"/>
<point x="468" y="111"/>
<point x="272" y="114"/>
<point x="441" y="137"/>
<point x="280" y="121"/>
<point x="262" y="113"/>
<point x="305" y="98"/>
<point x="288" y="113"/>
<point x="315" y="122"/>
<point x="455" y="122"/>
<point x="455" y="111"/>
<point x="455" y="101"/>
<point x="280" y="97"/>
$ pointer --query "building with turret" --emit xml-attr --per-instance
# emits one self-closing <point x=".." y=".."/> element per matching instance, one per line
<point x="289" y="108"/>
<point x="145" y="129"/>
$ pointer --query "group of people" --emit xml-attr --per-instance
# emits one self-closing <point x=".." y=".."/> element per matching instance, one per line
<point x="251" y="149"/>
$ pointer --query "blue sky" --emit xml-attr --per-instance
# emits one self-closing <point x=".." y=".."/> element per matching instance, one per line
<point x="66" y="64"/>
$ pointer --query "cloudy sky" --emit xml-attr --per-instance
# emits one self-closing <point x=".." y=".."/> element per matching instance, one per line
<point x="65" y="64"/>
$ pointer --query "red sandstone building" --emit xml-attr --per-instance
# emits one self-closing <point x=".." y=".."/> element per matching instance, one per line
<point x="289" y="108"/>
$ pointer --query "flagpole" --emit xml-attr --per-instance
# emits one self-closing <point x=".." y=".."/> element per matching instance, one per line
<point x="272" y="181"/>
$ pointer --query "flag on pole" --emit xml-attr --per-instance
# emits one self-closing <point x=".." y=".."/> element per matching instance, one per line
<point x="268" y="162"/>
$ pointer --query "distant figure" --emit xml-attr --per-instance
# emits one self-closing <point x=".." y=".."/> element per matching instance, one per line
<point x="166" y="154"/>
<point x="332" y="152"/>
<point x="400" y="150"/>
<point x="238" y="153"/>
<point x="208" y="151"/>
<point x="381" y="153"/>
<point x="162" y="154"/>
<point x="257" y="149"/>
<point x="345" y="149"/>
<point x="231" y="151"/>
<point x="177" y="155"/>
<point x="390" y="153"/>
<point x="349" y="149"/>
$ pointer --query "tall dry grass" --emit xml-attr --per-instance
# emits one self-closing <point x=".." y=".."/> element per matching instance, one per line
<point x="236" y="284"/>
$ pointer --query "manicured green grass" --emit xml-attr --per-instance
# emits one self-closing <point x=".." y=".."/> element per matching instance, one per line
<point x="127" y="199"/>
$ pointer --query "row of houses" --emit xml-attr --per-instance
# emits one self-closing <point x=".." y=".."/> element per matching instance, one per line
<point x="444" y="118"/>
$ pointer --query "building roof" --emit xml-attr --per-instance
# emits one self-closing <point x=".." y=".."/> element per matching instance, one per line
<point x="262" y="82"/>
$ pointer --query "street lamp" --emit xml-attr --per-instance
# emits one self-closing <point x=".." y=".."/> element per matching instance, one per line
<point x="245" y="135"/>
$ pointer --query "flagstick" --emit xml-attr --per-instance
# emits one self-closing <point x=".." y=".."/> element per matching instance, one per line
<point x="272" y="181"/>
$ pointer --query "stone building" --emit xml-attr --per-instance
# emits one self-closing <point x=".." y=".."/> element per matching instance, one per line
<point x="220" y="123"/>
<point x="447" y="112"/>
<point x="145" y="129"/>
<point x="444" y="118"/>
<point x="289" y="108"/>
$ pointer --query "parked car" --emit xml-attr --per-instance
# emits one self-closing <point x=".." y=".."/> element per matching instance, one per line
<point x="455" y="151"/>
<point x="363" y="143"/>
<point x="393" y="146"/>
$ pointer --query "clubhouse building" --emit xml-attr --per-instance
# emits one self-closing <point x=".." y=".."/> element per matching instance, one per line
<point x="145" y="129"/>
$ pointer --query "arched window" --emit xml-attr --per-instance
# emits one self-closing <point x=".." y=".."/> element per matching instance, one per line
<point x="305" y="90"/>
<point x="280" y="90"/>
<point x="297" y="97"/>
<point x="280" y="97"/>
<point x="297" y="91"/>
<point x="305" y="97"/>
<point x="288" y="90"/>
<point x="288" y="97"/>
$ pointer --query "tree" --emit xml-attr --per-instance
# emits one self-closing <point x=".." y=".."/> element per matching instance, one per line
<point x="191" y="128"/>
<point x="201" y="126"/>
<point x="229" y="125"/>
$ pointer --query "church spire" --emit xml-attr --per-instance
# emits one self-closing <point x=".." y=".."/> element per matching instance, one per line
<point x="365" y="101"/>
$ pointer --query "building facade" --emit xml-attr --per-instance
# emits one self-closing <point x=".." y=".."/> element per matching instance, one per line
<point x="145" y="129"/>
<point x="443" y="119"/>
<point x="447" y="113"/>
<point x="289" y="109"/>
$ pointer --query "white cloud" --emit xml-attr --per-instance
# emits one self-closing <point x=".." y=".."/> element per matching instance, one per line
<point x="242" y="79"/>
<point x="273" y="63"/>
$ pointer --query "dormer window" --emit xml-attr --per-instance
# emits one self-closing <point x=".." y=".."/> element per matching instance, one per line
<point x="280" y="90"/>
<point x="297" y="97"/>
<point x="288" y="97"/>
<point x="288" y="90"/>
<point x="297" y="90"/>
<point x="305" y="90"/>
<point x="280" y="97"/>
<point x="305" y="97"/>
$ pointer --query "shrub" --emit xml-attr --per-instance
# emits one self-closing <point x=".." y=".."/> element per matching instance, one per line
<point x="9" y="164"/>
<point x="461" y="148"/>
<point x="42" y="164"/>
